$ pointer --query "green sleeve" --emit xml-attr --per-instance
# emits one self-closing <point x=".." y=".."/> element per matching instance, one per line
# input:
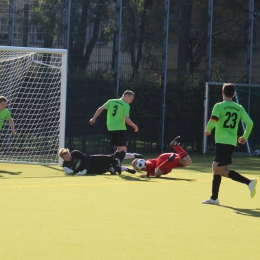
<point x="249" y="124"/>
<point x="8" y="114"/>
<point x="213" y="119"/>
<point x="210" y="125"/>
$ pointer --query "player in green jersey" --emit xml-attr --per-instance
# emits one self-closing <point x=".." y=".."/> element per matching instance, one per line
<point x="118" y="111"/>
<point x="5" y="114"/>
<point x="225" y="118"/>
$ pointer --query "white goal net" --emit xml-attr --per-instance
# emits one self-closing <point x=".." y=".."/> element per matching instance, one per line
<point x="34" y="82"/>
<point x="247" y="95"/>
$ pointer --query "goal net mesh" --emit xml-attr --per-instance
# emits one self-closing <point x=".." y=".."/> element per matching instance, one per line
<point x="32" y="84"/>
<point x="248" y="96"/>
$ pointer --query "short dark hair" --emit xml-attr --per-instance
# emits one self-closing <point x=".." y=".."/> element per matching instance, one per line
<point x="229" y="89"/>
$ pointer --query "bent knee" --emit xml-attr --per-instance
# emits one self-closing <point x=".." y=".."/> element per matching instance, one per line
<point x="158" y="173"/>
<point x="222" y="170"/>
<point x="186" y="161"/>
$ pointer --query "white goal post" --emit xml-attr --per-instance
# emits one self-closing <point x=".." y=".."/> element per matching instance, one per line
<point x="247" y="95"/>
<point x="34" y="80"/>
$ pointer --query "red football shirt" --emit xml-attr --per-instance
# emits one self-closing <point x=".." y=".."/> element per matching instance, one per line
<point x="152" y="164"/>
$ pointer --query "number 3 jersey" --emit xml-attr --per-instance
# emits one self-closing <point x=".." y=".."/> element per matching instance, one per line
<point x="225" y="117"/>
<point x="117" y="109"/>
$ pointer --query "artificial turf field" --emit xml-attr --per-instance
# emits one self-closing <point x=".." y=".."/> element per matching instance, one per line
<point x="48" y="215"/>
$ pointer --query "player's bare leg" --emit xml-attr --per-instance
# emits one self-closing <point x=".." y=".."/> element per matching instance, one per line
<point x="185" y="161"/>
<point x="158" y="173"/>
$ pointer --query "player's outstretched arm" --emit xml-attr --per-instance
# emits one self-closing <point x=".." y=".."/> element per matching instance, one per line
<point x="130" y="122"/>
<point x="11" y="122"/>
<point x="97" y="113"/>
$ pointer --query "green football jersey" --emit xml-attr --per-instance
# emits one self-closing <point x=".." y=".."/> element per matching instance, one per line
<point x="4" y="114"/>
<point x="225" y="117"/>
<point x="117" y="109"/>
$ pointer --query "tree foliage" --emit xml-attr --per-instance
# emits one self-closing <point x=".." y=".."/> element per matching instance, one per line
<point x="87" y="17"/>
<point x="47" y="16"/>
<point x="94" y="21"/>
<point x="143" y="32"/>
<point x="189" y="27"/>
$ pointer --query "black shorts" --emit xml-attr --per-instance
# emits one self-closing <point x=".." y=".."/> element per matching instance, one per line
<point x="223" y="154"/>
<point x="119" y="137"/>
<point x="100" y="163"/>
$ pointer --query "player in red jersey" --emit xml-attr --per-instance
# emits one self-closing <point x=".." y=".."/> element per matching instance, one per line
<point x="165" y="162"/>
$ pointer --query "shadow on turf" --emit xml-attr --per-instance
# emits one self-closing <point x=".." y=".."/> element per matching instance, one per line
<point x="52" y="168"/>
<point x="245" y="212"/>
<point x="125" y="177"/>
<point x="11" y="173"/>
<point x="138" y="178"/>
<point x="176" y="179"/>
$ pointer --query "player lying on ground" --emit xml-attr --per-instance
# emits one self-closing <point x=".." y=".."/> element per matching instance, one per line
<point x="76" y="162"/>
<point x="165" y="162"/>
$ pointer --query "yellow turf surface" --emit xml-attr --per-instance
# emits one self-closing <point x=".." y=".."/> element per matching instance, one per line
<point x="47" y="215"/>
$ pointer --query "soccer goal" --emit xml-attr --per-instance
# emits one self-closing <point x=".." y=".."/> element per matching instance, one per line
<point x="34" y="82"/>
<point x="246" y="95"/>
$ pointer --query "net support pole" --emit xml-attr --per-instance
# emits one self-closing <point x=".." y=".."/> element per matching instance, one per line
<point x="209" y="39"/>
<point x="250" y="48"/>
<point x="206" y="101"/>
<point x="164" y="72"/>
<point x="250" y="41"/>
<point x="118" y="43"/>
<point x="63" y="102"/>
<point x="11" y="23"/>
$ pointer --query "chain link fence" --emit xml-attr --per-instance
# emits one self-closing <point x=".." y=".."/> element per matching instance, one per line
<point x="119" y="45"/>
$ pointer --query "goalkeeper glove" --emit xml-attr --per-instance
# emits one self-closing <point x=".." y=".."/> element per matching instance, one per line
<point x="68" y="170"/>
<point x="83" y="172"/>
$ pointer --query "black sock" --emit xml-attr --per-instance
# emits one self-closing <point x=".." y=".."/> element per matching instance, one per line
<point x="116" y="154"/>
<point x="215" y="186"/>
<point x="238" y="177"/>
<point x="120" y="155"/>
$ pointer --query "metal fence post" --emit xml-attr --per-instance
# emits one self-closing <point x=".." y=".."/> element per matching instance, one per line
<point x="250" y="41"/>
<point x="11" y="23"/>
<point x="209" y="39"/>
<point x="25" y="25"/>
<point x="164" y="72"/>
<point x="118" y="44"/>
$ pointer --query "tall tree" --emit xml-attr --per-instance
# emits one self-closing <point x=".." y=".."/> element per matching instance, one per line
<point x="142" y="32"/>
<point x="189" y="27"/>
<point x="46" y="16"/>
<point x="87" y="16"/>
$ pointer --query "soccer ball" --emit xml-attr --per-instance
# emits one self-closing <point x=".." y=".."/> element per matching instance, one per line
<point x="140" y="164"/>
